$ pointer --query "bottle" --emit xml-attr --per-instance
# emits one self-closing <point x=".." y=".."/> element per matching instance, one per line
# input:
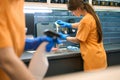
<point x="59" y="1"/>
<point x="111" y="3"/>
<point x="52" y="1"/>
<point x="66" y="1"/>
<point x="94" y="2"/>
<point x="62" y="1"/>
<point x="116" y="3"/>
<point x="98" y="2"/>
<point x="36" y="0"/>
<point x="107" y="3"/>
<point x="102" y="2"/>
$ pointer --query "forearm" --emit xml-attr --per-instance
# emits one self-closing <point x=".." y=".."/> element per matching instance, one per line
<point x="73" y="39"/>
<point x="12" y="65"/>
<point x="75" y="25"/>
<point x="39" y="64"/>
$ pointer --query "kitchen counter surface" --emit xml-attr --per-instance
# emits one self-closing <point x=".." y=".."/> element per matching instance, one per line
<point x="52" y="55"/>
<point x="64" y="61"/>
<point x="63" y="53"/>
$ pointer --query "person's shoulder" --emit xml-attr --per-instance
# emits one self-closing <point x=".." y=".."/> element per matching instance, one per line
<point x="88" y="18"/>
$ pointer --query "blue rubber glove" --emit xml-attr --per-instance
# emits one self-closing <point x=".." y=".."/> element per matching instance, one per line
<point x="51" y="43"/>
<point x="63" y="36"/>
<point x="64" y="24"/>
<point x="32" y="44"/>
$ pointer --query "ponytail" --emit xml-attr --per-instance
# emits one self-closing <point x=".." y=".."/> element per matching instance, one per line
<point x="90" y="10"/>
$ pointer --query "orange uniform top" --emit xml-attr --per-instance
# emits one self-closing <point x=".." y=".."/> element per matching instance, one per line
<point x="12" y="27"/>
<point x="92" y="52"/>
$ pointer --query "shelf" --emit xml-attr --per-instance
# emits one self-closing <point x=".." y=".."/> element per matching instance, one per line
<point x="64" y="6"/>
<point x="106" y="8"/>
<point x="48" y="5"/>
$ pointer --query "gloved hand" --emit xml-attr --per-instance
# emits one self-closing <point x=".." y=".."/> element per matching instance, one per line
<point x="63" y="36"/>
<point x="51" y="43"/>
<point x="64" y="24"/>
<point x="32" y="44"/>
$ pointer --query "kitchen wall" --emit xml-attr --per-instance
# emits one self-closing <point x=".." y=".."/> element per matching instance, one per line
<point x="111" y="26"/>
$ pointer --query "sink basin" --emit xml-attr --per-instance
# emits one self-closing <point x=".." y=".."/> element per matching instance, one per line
<point x="63" y="50"/>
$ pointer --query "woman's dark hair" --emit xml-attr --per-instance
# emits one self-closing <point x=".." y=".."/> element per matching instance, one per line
<point x="74" y="4"/>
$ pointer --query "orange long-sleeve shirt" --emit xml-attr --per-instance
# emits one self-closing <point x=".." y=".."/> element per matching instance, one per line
<point x="12" y="27"/>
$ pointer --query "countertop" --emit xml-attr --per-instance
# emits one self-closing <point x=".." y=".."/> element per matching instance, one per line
<point x="63" y="53"/>
<point x="64" y="61"/>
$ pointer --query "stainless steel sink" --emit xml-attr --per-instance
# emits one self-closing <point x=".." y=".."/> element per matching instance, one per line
<point x="62" y="50"/>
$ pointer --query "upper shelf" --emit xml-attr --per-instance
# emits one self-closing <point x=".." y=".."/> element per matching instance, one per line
<point x="64" y="6"/>
<point x="106" y="8"/>
<point x="48" y="5"/>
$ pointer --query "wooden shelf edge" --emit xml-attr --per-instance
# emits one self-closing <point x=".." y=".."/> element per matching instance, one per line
<point x="106" y="8"/>
<point x="64" y="6"/>
<point x="49" y="5"/>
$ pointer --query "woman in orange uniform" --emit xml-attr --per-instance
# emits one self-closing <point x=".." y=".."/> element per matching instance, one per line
<point x="89" y="35"/>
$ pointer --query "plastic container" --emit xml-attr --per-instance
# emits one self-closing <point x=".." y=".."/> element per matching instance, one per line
<point x="95" y="2"/>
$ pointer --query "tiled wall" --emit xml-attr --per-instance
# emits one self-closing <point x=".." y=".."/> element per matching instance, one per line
<point x="111" y="26"/>
<point x="110" y="22"/>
